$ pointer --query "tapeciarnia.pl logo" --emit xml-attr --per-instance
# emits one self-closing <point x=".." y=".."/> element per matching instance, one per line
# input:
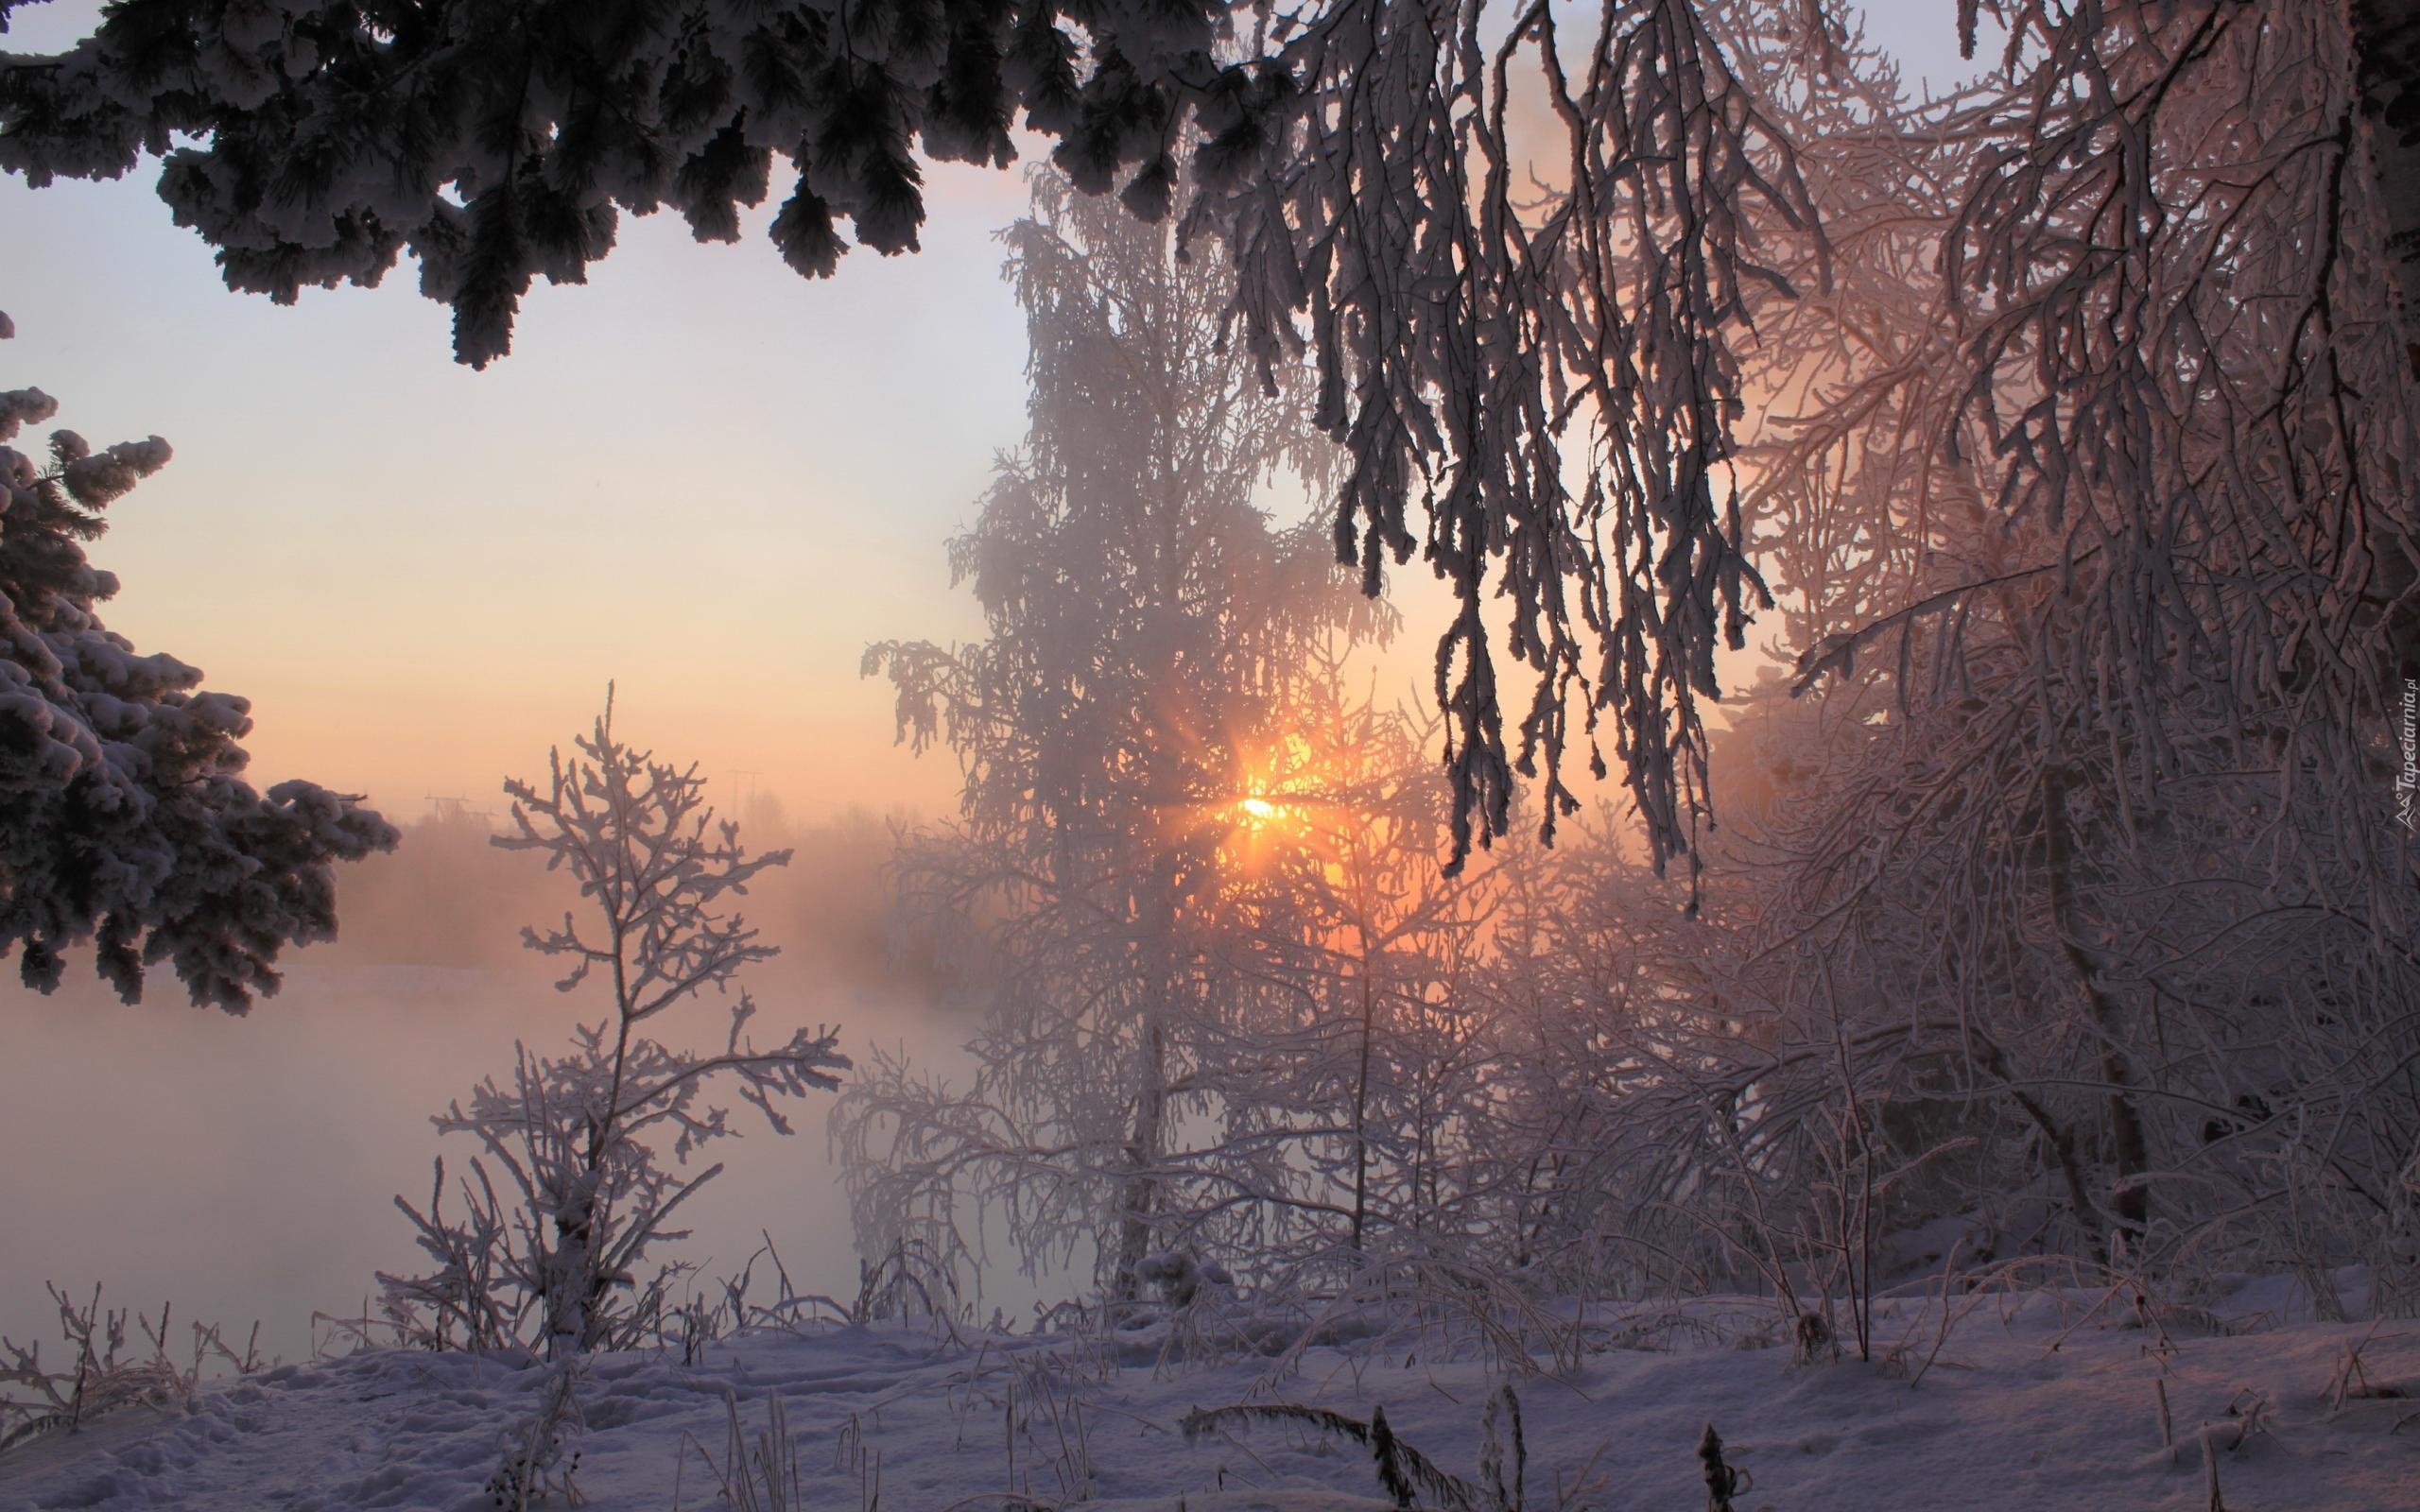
<point x="2407" y="780"/>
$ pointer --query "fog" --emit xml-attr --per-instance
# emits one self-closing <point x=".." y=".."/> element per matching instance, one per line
<point x="245" y="1169"/>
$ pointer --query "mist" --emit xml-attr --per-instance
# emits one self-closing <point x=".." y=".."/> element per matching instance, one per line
<point x="244" y="1169"/>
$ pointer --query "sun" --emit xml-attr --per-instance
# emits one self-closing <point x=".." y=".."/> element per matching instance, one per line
<point x="1262" y="813"/>
<point x="1256" y="822"/>
<point x="1268" y="798"/>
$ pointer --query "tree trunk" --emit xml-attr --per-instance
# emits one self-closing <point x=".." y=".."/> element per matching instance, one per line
<point x="1161" y="967"/>
<point x="2129" y="1150"/>
<point x="2058" y="1143"/>
<point x="1142" y="1157"/>
<point x="1362" y="1110"/>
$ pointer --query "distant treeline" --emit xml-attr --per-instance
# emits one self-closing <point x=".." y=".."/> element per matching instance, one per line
<point x="446" y="897"/>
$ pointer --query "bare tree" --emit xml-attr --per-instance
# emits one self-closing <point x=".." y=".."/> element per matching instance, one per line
<point x="2069" y="897"/>
<point x="1390" y="1042"/>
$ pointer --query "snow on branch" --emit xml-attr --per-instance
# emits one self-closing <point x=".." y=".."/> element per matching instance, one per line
<point x="556" y="1258"/>
<point x="125" y="822"/>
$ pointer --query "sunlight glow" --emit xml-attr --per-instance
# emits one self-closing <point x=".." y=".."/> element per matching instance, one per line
<point x="1269" y="804"/>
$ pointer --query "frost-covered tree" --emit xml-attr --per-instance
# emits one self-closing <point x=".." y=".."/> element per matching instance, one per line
<point x="2082" y="491"/>
<point x="1380" y="1050"/>
<point x="2159" y="635"/>
<point x="125" y="820"/>
<point x="579" y="1137"/>
<point x="1147" y="625"/>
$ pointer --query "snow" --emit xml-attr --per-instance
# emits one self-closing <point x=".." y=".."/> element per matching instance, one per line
<point x="2037" y="1400"/>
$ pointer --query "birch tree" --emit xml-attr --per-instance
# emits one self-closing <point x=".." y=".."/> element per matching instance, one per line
<point x="1146" y="624"/>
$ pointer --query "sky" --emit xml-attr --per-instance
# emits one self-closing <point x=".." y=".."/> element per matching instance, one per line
<point x="699" y="475"/>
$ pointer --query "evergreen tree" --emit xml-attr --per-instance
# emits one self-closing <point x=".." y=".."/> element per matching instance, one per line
<point x="125" y="818"/>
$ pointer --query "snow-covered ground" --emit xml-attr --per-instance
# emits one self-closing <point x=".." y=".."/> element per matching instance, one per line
<point x="2038" y="1399"/>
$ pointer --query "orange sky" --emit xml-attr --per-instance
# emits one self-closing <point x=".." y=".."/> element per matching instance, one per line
<point x="700" y="475"/>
